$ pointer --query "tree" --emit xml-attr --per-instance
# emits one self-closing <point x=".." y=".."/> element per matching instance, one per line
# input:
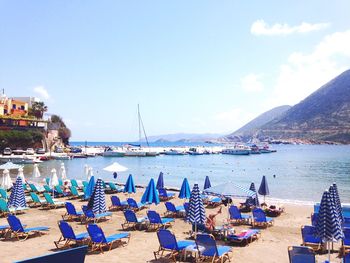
<point x="63" y="132"/>
<point x="38" y="109"/>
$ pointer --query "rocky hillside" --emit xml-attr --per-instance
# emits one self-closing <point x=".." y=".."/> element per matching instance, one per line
<point x="253" y="127"/>
<point x="322" y="116"/>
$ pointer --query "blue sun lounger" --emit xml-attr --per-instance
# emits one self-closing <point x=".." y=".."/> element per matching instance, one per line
<point x="90" y="215"/>
<point x="244" y="237"/>
<point x="68" y="235"/>
<point x="172" y="210"/>
<point x="310" y="239"/>
<point x="19" y="230"/>
<point x="131" y="220"/>
<point x="168" y="242"/>
<point x="117" y="204"/>
<point x="76" y="255"/>
<point x="135" y="205"/>
<point x="346" y="258"/>
<point x="164" y="195"/>
<point x="237" y="217"/>
<point x="99" y="240"/>
<point x="346" y="240"/>
<point x="300" y="254"/>
<point x="155" y="221"/>
<point x="72" y="213"/>
<point x="260" y="219"/>
<point x="209" y="248"/>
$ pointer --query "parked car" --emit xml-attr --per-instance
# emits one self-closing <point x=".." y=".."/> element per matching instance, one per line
<point x="30" y="151"/>
<point x="75" y="150"/>
<point x="7" y="151"/>
<point x="18" y="151"/>
<point x="40" y="151"/>
<point x="58" y="150"/>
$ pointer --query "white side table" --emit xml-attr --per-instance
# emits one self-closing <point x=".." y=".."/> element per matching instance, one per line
<point x="192" y="250"/>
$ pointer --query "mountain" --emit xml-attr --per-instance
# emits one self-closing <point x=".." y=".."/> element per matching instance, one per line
<point x="189" y="137"/>
<point x="324" y="116"/>
<point x="246" y="132"/>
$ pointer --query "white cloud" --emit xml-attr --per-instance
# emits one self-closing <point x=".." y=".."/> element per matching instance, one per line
<point x="251" y="83"/>
<point x="305" y="73"/>
<point x="231" y="119"/>
<point x="42" y="92"/>
<point x="260" y="27"/>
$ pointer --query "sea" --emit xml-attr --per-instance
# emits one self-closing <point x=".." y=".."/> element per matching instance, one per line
<point x="295" y="173"/>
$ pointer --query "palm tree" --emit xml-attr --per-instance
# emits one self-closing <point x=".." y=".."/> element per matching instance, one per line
<point x="38" y="108"/>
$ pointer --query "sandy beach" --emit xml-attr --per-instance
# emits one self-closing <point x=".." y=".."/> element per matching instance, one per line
<point x="271" y="247"/>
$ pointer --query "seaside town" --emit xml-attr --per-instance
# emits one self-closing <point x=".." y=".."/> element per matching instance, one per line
<point x="174" y="132"/>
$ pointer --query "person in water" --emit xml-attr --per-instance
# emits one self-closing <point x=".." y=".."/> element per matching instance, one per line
<point x="211" y="222"/>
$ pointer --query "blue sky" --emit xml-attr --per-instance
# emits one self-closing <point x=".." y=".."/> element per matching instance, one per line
<point x="194" y="66"/>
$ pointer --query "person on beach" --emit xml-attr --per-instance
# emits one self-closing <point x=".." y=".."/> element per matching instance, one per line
<point x="66" y="189"/>
<point x="211" y="222"/>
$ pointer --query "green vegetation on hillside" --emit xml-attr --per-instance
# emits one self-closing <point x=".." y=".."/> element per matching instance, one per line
<point x="24" y="139"/>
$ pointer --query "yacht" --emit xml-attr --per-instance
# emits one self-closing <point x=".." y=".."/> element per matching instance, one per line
<point x="237" y="150"/>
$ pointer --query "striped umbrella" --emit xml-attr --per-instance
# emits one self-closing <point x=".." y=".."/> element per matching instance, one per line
<point x="207" y="183"/>
<point x="196" y="212"/>
<point x="17" y="197"/>
<point x="333" y="190"/>
<point x="151" y="194"/>
<point x="97" y="201"/>
<point x="160" y="181"/>
<point x="253" y="201"/>
<point x="264" y="188"/>
<point x="328" y="226"/>
<point x="129" y="185"/>
<point x="185" y="191"/>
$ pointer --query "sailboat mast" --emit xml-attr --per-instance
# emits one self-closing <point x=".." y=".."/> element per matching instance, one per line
<point x="139" y="117"/>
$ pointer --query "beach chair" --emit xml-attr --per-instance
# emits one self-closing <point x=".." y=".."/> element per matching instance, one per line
<point x="52" y="203"/>
<point x="5" y="209"/>
<point x="117" y="204"/>
<point x="187" y="208"/>
<point x="113" y="188"/>
<point x="300" y="254"/>
<point x="164" y="195"/>
<point x="236" y="216"/>
<point x="214" y="201"/>
<point x="48" y="189"/>
<point x="4" y="229"/>
<point x="314" y="218"/>
<point x="72" y="212"/>
<point x="75" y="193"/>
<point x="60" y="182"/>
<point x="207" y="248"/>
<point x="99" y="240"/>
<point x="346" y="258"/>
<point x="60" y="192"/>
<point x="19" y="231"/>
<point x="155" y="221"/>
<point x="85" y="183"/>
<point x="90" y="216"/>
<point x="131" y="220"/>
<point x="346" y="222"/>
<point x="310" y="239"/>
<point x="76" y="255"/>
<point x="260" y="219"/>
<point x="47" y="180"/>
<point x="68" y="236"/>
<point x="172" y="210"/>
<point x="168" y="242"/>
<point x="74" y="183"/>
<point x="3" y="193"/>
<point x="35" y="189"/>
<point x="36" y="201"/>
<point x="135" y="205"/>
<point x="346" y="241"/>
<point x="244" y="237"/>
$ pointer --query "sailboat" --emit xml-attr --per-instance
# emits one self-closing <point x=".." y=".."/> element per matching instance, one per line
<point x="136" y="149"/>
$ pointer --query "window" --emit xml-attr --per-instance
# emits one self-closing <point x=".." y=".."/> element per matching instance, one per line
<point x="22" y="107"/>
<point x="14" y="106"/>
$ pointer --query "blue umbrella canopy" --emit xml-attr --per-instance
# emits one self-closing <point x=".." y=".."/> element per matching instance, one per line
<point x="129" y="185"/>
<point x="185" y="191"/>
<point x="151" y="194"/>
<point x="264" y="188"/>
<point x="160" y="181"/>
<point x="97" y="201"/>
<point x="328" y="226"/>
<point x="90" y="188"/>
<point x="253" y="201"/>
<point x="207" y="183"/>
<point x="333" y="190"/>
<point x="229" y="189"/>
<point x="17" y="197"/>
<point x="196" y="212"/>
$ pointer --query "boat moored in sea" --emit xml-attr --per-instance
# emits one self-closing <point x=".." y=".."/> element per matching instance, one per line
<point x="111" y="152"/>
<point x="174" y="152"/>
<point x="237" y="150"/>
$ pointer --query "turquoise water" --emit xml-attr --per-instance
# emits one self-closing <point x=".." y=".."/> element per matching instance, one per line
<point x="302" y="172"/>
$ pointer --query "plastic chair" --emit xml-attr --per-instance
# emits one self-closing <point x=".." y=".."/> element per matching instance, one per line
<point x="260" y="219"/>
<point x="237" y="217"/>
<point x="207" y="247"/>
<point x="18" y="229"/>
<point x="117" y="204"/>
<point x="155" y="221"/>
<point x="68" y="235"/>
<point x="72" y="212"/>
<point x="131" y="220"/>
<point x="309" y="237"/>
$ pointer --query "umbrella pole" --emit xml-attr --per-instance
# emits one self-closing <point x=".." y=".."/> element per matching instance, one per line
<point x="329" y="252"/>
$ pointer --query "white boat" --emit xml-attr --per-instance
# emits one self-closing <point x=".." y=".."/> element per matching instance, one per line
<point x="195" y="151"/>
<point x="237" y="150"/>
<point x="109" y="152"/>
<point x="174" y="152"/>
<point x="135" y="152"/>
<point x="265" y="149"/>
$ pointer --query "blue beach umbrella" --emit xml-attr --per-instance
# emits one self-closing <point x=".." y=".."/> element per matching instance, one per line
<point x="17" y="197"/>
<point x="185" y="191"/>
<point x="196" y="212"/>
<point x="160" y="181"/>
<point x="207" y="183"/>
<point x="90" y="188"/>
<point x="253" y="201"/>
<point x="97" y="200"/>
<point x="328" y="226"/>
<point x="264" y="188"/>
<point x="333" y="190"/>
<point x="129" y="185"/>
<point x="151" y="194"/>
